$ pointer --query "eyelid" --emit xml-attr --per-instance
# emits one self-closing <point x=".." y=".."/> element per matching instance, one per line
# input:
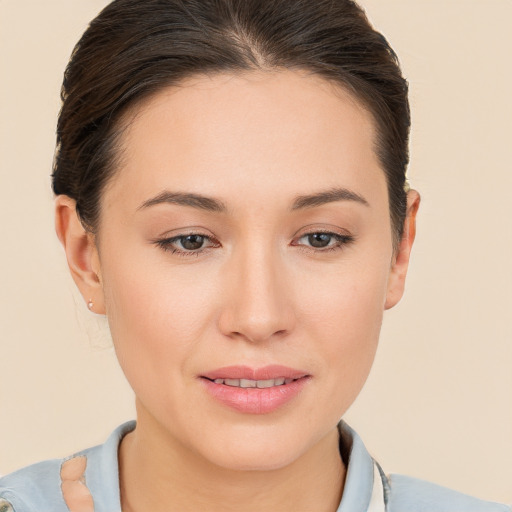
<point x="186" y="231"/>
<point x="321" y="226"/>
<point x="327" y="229"/>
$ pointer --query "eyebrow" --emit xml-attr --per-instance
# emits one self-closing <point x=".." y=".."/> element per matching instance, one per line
<point x="215" y="205"/>
<point x="186" y="199"/>
<point x="327" y="196"/>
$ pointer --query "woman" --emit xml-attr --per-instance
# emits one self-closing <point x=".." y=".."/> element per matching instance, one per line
<point x="231" y="193"/>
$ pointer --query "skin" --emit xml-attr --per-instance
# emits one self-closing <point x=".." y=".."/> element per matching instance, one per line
<point x="259" y="293"/>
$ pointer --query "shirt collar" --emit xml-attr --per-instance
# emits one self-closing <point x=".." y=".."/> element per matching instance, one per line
<point x="359" y="480"/>
<point x="103" y="471"/>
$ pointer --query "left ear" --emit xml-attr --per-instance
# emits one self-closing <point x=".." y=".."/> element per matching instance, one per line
<point x="396" y="281"/>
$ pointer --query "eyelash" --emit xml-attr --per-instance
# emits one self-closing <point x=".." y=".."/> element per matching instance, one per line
<point x="341" y="241"/>
<point x="166" y="245"/>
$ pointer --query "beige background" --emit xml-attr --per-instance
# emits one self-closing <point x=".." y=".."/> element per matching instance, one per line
<point x="438" y="404"/>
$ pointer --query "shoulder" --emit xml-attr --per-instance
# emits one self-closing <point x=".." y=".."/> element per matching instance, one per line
<point x="92" y="473"/>
<point x="33" y="487"/>
<point x="364" y="490"/>
<point x="406" y="494"/>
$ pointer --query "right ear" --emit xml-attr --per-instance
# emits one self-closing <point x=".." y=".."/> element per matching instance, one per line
<point x="81" y="253"/>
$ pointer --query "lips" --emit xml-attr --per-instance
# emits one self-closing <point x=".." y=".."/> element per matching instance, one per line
<point x="255" y="391"/>
<point x="265" y="373"/>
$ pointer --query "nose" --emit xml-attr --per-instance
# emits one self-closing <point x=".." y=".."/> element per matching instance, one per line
<point x="257" y="303"/>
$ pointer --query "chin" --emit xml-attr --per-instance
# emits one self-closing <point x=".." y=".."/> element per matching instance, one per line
<point x="257" y="449"/>
<point x="254" y="460"/>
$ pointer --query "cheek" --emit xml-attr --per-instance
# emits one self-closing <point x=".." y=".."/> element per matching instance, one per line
<point x="347" y="302"/>
<point x="156" y="317"/>
<point x="343" y="316"/>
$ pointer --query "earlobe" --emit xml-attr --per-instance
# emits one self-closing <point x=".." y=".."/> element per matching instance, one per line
<point x="81" y="252"/>
<point x="396" y="281"/>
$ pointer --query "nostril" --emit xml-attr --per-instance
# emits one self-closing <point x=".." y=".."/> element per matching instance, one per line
<point x="255" y="336"/>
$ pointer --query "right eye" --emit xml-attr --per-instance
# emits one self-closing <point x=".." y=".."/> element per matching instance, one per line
<point x="187" y="245"/>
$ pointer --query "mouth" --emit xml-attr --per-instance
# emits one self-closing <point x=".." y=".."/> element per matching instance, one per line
<point x="255" y="391"/>
<point x="249" y="383"/>
<point x="245" y="376"/>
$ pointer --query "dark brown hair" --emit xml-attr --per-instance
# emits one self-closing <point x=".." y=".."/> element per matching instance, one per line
<point x="135" y="48"/>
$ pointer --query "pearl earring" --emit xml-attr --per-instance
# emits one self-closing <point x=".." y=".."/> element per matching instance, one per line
<point x="90" y="304"/>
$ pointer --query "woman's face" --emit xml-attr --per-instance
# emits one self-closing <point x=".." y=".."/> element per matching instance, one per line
<point x="246" y="235"/>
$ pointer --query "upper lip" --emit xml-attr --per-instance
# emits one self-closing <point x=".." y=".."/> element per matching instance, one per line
<point x="246" y="372"/>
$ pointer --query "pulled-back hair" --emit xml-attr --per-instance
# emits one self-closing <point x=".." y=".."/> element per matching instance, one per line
<point x="134" y="48"/>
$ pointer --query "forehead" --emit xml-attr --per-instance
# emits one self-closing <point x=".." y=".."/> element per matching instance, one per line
<point x="262" y="132"/>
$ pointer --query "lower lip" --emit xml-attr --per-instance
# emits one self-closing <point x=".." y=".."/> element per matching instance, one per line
<point x="255" y="400"/>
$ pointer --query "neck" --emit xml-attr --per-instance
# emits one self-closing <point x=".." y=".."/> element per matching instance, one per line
<point x="158" y="474"/>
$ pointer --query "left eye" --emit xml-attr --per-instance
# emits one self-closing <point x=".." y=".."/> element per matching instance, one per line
<point x="191" y="242"/>
<point x="319" y="239"/>
<point x="322" y="240"/>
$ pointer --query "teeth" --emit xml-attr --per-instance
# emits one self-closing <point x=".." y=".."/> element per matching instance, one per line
<point x="266" y="383"/>
<point x="247" y="383"/>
